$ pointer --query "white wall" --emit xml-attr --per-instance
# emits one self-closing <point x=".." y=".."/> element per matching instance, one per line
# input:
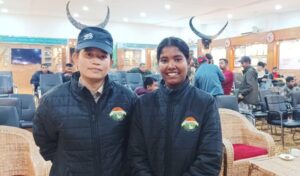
<point x="34" y="26"/>
<point x="236" y="27"/>
<point x="52" y="27"/>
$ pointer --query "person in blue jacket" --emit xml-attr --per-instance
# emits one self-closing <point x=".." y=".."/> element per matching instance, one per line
<point x="209" y="77"/>
<point x="175" y="131"/>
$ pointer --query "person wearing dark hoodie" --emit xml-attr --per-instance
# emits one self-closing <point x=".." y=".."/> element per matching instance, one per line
<point x="175" y="131"/>
<point x="82" y="126"/>
<point x="248" y="92"/>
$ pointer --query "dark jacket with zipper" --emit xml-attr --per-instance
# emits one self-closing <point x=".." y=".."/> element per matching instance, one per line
<point x="159" y="145"/>
<point x="249" y="86"/>
<point x="79" y="136"/>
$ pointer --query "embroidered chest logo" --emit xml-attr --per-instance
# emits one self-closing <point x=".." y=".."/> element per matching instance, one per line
<point x="88" y="36"/>
<point x="117" y="114"/>
<point x="190" y="124"/>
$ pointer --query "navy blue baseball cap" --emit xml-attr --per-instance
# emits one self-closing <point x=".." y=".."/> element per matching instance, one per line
<point x="95" y="37"/>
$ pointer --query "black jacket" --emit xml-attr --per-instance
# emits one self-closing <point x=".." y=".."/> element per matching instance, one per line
<point x="35" y="79"/>
<point x="80" y="137"/>
<point x="161" y="144"/>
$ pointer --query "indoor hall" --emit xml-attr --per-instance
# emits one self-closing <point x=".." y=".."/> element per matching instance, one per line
<point x="245" y="54"/>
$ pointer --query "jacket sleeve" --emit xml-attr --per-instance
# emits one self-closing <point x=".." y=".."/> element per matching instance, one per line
<point x="137" y="154"/>
<point x="44" y="132"/>
<point x="35" y="79"/>
<point x="209" y="154"/>
<point x="249" y="81"/>
<point x="221" y="75"/>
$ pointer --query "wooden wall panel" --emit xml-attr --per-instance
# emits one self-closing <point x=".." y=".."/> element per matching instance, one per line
<point x="22" y="73"/>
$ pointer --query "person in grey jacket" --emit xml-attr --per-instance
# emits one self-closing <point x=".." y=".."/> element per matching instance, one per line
<point x="248" y="92"/>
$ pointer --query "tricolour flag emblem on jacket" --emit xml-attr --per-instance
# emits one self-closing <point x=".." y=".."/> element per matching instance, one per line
<point x="117" y="114"/>
<point x="190" y="124"/>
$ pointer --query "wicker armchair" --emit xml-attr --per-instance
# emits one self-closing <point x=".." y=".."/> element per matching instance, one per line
<point x="236" y="129"/>
<point x="19" y="155"/>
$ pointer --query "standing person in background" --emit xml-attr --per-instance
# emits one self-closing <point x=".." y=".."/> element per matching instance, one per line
<point x="66" y="76"/>
<point x="248" y="92"/>
<point x="209" y="77"/>
<point x="141" y="69"/>
<point x="82" y="126"/>
<point x="263" y="76"/>
<point x="35" y="79"/>
<point x="228" y="82"/>
<point x="175" y="130"/>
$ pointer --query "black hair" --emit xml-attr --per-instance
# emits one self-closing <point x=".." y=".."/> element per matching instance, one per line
<point x="45" y="64"/>
<point x="274" y="68"/>
<point x="246" y="59"/>
<point x="208" y="56"/>
<point x="69" y="65"/>
<point x="173" y="41"/>
<point x="225" y="60"/>
<point x="142" y="64"/>
<point x="149" y="81"/>
<point x="89" y="49"/>
<point x="289" y="79"/>
<point x="261" y="64"/>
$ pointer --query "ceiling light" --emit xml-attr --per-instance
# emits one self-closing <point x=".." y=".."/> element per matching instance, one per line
<point x="125" y="19"/>
<point x="143" y="14"/>
<point x="4" y="10"/>
<point x="229" y="16"/>
<point x="278" y="7"/>
<point x="76" y="15"/>
<point x="1" y="2"/>
<point x="85" y="8"/>
<point x="167" y="6"/>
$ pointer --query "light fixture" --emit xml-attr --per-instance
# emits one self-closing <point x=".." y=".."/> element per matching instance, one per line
<point x="4" y="10"/>
<point x="143" y="14"/>
<point x="1" y="2"/>
<point x="278" y="7"/>
<point x="229" y="16"/>
<point x="76" y="15"/>
<point x="125" y="19"/>
<point x="167" y="6"/>
<point x="85" y="8"/>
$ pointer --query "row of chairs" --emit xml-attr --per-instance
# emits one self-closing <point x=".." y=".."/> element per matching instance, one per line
<point x="17" y="110"/>
<point x="275" y="109"/>
<point x="131" y="80"/>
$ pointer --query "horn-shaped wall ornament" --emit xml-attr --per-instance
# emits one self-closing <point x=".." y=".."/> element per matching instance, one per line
<point x="81" y="26"/>
<point x="206" y="39"/>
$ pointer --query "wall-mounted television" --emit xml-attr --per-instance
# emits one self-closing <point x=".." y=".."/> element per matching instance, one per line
<point x="26" y="56"/>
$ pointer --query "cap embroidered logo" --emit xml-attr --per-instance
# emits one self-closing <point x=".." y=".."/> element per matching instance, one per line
<point x="88" y="36"/>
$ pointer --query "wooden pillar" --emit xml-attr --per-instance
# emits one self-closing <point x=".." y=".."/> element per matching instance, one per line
<point x="230" y="57"/>
<point x="273" y="55"/>
<point x="148" y="58"/>
<point x="120" y="60"/>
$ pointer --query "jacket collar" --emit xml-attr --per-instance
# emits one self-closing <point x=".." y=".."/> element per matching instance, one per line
<point x="81" y="90"/>
<point x="176" y="92"/>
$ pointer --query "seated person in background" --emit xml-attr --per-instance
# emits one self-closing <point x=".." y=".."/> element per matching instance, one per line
<point x="276" y="77"/>
<point x="150" y="85"/>
<point x="35" y="79"/>
<point x="141" y="69"/>
<point x="263" y="76"/>
<point x="289" y="88"/>
<point x="66" y="76"/>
